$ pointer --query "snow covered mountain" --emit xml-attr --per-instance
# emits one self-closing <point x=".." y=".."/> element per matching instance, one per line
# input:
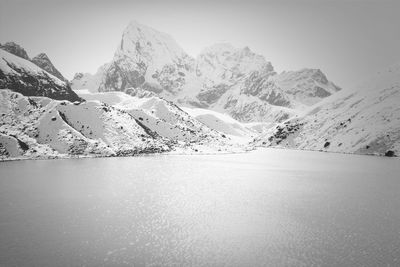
<point x="39" y="127"/>
<point x="305" y="87"/>
<point x="222" y="78"/>
<point x="228" y="96"/>
<point x="148" y="59"/>
<point x="20" y="75"/>
<point x="364" y="120"/>
<point x="223" y="64"/>
<point x="41" y="60"/>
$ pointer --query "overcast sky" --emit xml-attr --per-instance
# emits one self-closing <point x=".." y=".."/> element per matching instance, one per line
<point x="348" y="40"/>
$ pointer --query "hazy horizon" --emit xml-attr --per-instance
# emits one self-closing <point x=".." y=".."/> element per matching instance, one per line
<point x="347" y="40"/>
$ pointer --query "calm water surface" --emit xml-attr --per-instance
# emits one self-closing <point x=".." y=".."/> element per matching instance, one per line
<point x="268" y="207"/>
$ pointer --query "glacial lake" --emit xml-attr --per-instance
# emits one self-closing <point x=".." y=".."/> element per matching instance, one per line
<point x="269" y="207"/>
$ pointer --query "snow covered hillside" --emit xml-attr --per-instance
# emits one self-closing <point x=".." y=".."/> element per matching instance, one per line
<point x="41" y="127"/>
<point x="21" y="75"/>
<point x="222" y="78"/>
<point x="364" y="120"/>
<point x="224" y="123"/>
<point x="33" y="127"/>
<point x="170" y="121"/>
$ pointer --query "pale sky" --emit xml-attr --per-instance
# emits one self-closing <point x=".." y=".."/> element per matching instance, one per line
<point x="348" y="39"/>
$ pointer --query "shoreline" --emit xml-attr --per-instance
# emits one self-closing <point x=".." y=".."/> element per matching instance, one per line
<point x="181" y="153"/>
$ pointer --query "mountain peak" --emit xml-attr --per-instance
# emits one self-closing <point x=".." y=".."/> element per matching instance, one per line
<point x="134" y="27"/>
<point x="223" y="61"/>
<point x="43" y="61"/>
<point x="42" y="56"/>
<point x="133" y="22"/>
<point x="136" y="24"/>
<point x="139" y="39"/>
<point x="145" y="56"/>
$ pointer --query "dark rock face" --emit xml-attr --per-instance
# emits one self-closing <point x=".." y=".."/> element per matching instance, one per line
<point x="282" y="132"/>
<point x="276" y="98"/>
<point x="35" y="84"/>
<point x="389" y="153"/>
<point x="320" y="92"/>
<point x="15" y="49"/>
<point x="170" y="78"/>
<point x="212" y="95"/>
<point x="259" y="85"/>
<point x="78" y="76"/>
<point x="43" y="61"/>
<point x="319" y="76"/>
<point x="41" y="85"/>
<point x="118" y="79"/>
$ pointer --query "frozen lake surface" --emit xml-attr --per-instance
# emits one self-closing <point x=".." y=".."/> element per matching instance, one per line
<point x="267" y="207"/>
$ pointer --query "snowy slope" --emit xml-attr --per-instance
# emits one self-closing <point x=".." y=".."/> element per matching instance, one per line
<point x="159" y="115"/>
<point x="33" y="127"/>
<point x="364" y="120"/>
<point x="164" y="118"/>
<point x="220" y="122"/>
<point x="23" y="76"/>
<point x="41" y="127"/>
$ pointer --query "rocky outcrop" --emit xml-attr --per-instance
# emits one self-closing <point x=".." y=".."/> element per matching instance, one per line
<point x="211" y="95"/>
<point x="260" y="86"/>
<point x="15" y="49"/>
